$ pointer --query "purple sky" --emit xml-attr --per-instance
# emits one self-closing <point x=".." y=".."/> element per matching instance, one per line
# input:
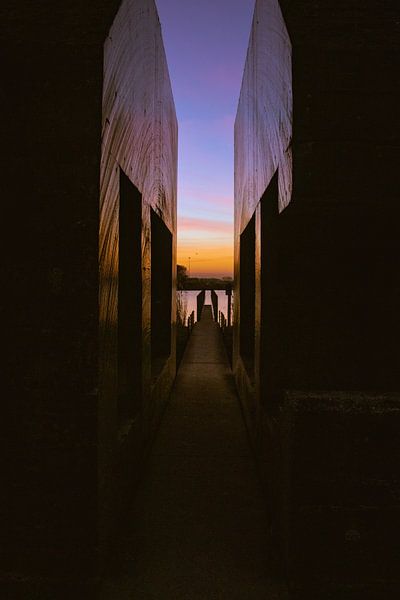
<point x="206" y="43"/>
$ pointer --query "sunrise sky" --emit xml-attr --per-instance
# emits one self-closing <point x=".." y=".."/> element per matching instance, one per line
<point x="206" y="43"/>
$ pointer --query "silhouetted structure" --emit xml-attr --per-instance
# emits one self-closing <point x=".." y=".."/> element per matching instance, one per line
<point x="200" y="303"/>
<point x="89" y="173"/>
<point x="317" y="286"/>
<point x="214" y="302"/>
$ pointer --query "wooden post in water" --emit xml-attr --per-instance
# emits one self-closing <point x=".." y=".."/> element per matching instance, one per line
<point x="228" y="292"/>
<point x="200" y="303"/>
<point x="214" y="301"/>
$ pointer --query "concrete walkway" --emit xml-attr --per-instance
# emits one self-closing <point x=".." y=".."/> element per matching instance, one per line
<point x="198" y="528"/>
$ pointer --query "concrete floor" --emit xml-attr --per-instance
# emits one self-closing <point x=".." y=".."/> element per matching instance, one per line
<point x="198" y="527"/>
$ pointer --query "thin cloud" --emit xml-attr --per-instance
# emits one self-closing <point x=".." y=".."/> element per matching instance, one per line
<point x="208" y="225"/>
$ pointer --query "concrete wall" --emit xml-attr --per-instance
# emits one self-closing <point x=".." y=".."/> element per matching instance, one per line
<point x="263" y="129"/>
<point x="326" y="284"/>
<point x="139" y="136"/>
<point x="263" y="135"/>
<point x="66" y="102"/>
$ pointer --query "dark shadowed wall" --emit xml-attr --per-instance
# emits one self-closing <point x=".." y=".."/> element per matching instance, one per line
<point x="87" y="105"/>
<point x="326" y="281"/>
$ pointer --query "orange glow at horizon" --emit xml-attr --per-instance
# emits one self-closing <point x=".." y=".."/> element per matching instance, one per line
<point x="209" y="244"/>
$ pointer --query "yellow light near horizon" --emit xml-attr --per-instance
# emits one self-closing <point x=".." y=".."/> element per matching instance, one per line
<point x="209" y="244"/>
<point x="206" y="260"/>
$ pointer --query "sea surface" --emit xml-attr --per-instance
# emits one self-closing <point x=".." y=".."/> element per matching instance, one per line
<point x="187" y="299"/>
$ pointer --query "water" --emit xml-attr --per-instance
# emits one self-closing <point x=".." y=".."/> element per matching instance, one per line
<point x="187" y="299"/>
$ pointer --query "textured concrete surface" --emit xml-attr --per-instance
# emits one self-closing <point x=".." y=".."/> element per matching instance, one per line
<point x="139" y="140"/>
<point x="263" y="125"/>
<point x="198" y="526"/>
